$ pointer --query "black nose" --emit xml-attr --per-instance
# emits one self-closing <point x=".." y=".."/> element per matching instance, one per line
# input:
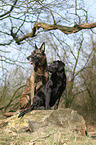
<point x="28" y="57"/>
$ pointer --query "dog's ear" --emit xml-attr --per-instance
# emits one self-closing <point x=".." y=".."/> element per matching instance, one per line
<point x="42" y="48"/>
<point x="61" y="66"/>
<point x="36" y="46"/>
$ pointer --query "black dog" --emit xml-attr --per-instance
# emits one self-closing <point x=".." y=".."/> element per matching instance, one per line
<point x="49" y="95"/>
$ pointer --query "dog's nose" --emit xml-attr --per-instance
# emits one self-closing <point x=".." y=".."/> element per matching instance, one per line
<point x="28" y="57"/>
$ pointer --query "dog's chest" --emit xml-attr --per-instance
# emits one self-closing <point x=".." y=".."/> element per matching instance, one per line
<point x="41" y="77"/>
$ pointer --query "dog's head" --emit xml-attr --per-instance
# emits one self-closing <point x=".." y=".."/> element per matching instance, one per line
<point x="38" y="56"/>
<point x="56" y="66"/>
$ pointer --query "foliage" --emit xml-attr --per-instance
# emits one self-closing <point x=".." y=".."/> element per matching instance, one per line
<point x="89" y="79"/>
<point x="11" y="91"/>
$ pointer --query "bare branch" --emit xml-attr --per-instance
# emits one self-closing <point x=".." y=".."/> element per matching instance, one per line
<point x="3" y="44"/>
<point x="8" y="12"/>
<point x="10" y="101"/>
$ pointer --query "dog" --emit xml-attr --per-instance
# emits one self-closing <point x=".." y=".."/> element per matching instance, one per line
<point x="49" y="95"/>
<point x="38" y="77"/>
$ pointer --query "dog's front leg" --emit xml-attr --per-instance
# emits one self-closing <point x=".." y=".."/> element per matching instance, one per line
<point x="47" y="101"/>
<point x="56" y="104"/>
<point x="48" y="91"/>
<point x="32" y="79"/>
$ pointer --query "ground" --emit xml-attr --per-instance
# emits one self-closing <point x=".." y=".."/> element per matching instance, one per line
<point x="11" y="134"/>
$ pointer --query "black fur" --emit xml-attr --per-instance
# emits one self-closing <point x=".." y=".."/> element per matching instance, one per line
<point x="49" y="95"/>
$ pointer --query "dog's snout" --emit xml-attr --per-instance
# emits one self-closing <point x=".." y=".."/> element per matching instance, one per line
<point x="28" y="57"/>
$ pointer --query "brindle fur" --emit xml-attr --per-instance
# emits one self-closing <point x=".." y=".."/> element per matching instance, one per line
<point x="38" y="77"/>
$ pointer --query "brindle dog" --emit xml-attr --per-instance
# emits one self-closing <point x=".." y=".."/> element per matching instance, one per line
<point x="38" y="77"/>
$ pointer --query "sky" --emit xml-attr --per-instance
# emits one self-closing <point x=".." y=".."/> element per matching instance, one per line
<point x="91" y="7"/>
<point x="17" y="52"/>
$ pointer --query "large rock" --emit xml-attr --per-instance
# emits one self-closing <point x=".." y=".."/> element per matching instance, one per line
<point x="66" y="120"/>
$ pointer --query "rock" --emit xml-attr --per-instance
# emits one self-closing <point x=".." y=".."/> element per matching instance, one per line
<point x="67" y="119"/>
<point x="64" y="120"/>
<point x="62" y="126"/>
<point x="33" y="125"/>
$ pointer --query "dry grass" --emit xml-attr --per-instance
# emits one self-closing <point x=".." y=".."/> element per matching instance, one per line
<point x="56" y="138"/>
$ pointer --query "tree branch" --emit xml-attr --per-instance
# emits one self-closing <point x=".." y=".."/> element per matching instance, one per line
<point x="48" y="27"/>
<point x="8" y="12"/>
<point x="3" y="44"/>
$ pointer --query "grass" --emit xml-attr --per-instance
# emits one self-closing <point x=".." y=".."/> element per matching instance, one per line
<point x="56" y="138"/>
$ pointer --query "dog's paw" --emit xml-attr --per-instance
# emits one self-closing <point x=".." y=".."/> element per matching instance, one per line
<point x="48" y="108"/>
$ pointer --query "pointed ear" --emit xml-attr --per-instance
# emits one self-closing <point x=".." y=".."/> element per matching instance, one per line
<point x="42" y="48"/>
<point x="36" y="46"/>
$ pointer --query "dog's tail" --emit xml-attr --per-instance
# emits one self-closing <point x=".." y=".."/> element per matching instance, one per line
<point x="26" y="111"/>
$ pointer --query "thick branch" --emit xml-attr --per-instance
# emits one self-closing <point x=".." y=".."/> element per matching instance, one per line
<point x="8" y="12"/>
<point x="48" y="27"/>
